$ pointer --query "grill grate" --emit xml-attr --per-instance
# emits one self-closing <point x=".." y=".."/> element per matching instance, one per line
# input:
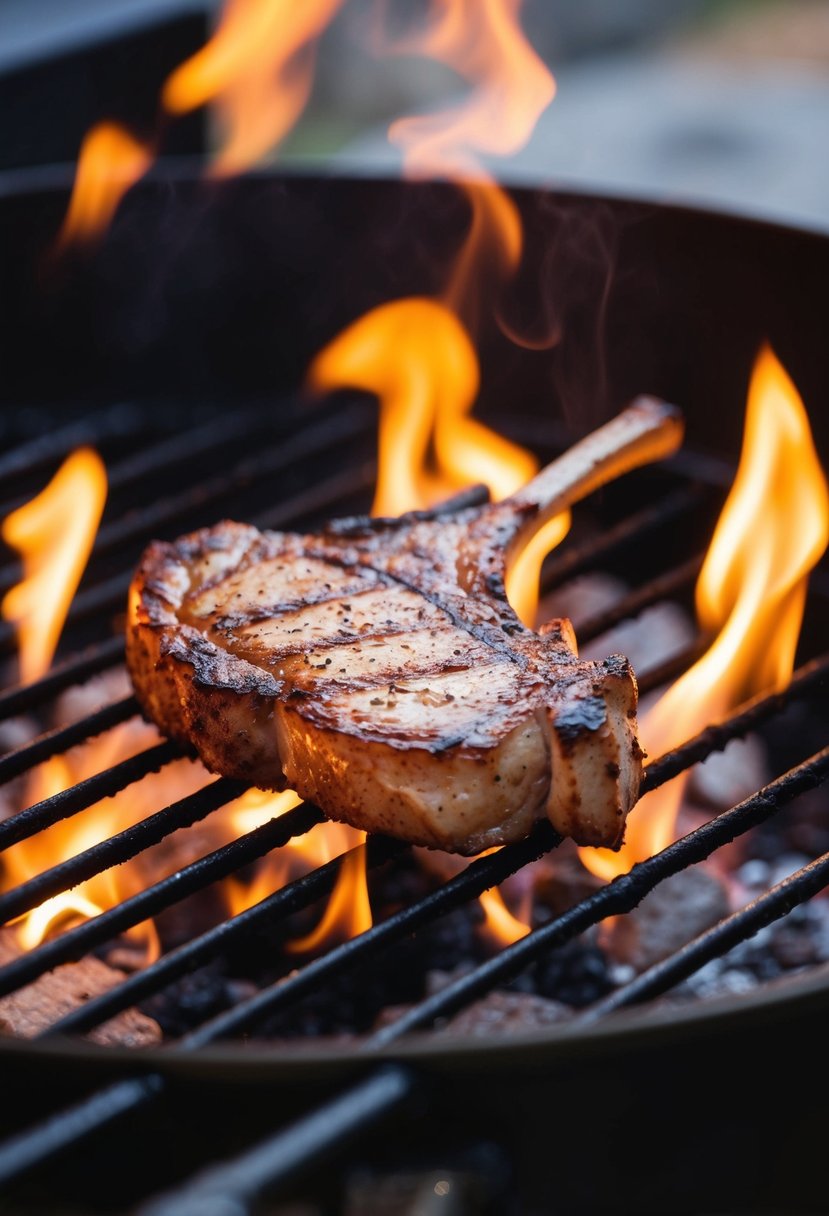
<point x="314" y="455"/>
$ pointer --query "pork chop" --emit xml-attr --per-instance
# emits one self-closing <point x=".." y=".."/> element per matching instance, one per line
<point x="378" y="669"/>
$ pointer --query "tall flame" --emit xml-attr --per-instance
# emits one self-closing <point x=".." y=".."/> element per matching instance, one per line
<point x="110" y="161"/>
<point x="54" y="534"/>
<point x="483" y="41"/>
<point x="416" y="354"/>
<point x="751" y="592"/>
<point x="258" y="69"/>
<point x="417" y="357"/>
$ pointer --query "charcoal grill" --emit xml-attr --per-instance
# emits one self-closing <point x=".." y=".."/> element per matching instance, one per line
<point x="201" y="311"/>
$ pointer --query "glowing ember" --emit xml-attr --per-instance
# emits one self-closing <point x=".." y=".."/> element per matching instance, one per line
<point x="751" y="591"/>
<point x="110" y="161"/>
<point x="258" y="69"/>
<point x="54" y="534"/>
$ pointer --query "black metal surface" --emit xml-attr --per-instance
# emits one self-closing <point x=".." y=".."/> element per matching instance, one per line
<point x="635" y="529"/>
<point x="75" y="943"/>
<point x="90" y="662"/>
<point x="54" y="742"/>
<point x="618" y="897"/>
<point x="118" y="848"/>
<point x="808" y="680"/>
<point x="666" y="510"/>
<point x="308" y="445"/>
<point x="78" y="797"/>
<point x="237" y="1186"/>
<point x="274" y="1162"/>
<point x="765" y="910"/>
<point x="288" y="899"/>
<point x="663" y="587"/>
<point x="615" y="899"/>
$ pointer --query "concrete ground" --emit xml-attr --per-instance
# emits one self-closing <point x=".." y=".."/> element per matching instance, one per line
<point x="736" y="118"/>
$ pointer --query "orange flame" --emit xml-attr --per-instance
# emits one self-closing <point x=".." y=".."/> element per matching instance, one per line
<point x="348" y="911"/>
<point x="483" y="41"/>
<point x="258" y="68"/>
<point x="54" y="534"/>
<point x="110" y="161"/>
<point x="255" y="808"/>
<point x="67" y="838"/>
<point x="499" y="922"/>
<point x="414" y="353"/>
<point x="751" y="590"/>
<point x="418" y="358"/>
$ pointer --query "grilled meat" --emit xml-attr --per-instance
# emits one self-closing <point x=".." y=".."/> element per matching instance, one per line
<point x="378" y="669"/>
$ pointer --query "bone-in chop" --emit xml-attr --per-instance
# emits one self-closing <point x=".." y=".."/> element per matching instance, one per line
<point x="377" y="668"/>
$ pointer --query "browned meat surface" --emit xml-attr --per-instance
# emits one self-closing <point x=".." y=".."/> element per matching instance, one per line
<point x="378" y="669"/>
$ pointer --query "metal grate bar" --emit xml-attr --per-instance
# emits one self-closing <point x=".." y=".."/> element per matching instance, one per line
<point x="350" y="424"/>
<point x="312" y="502"/>
<point x="618" y="897"/>
<point x="52" y="445"/>
<point x="70" y="1127"/>
<point x="118" y="848"/>
<point x="57" y="741"/>
<point x="672" y="667"/>
<point x="657" y="590"/>
<point x="300" y="893"/>
<point x="169" y="452"/>
<point x="111" y="594"/>
<point x="77" y="942"/>
<point x="716" y="942"/>
<point x="281" y="1158"/>
<point x="90" y="662"/>
<point x="234" y="1187"/>
<point x="479" y="876"/>
<point x="188" y="445"/>
<point x="633" y="528"/>
<point x="807" y="680"/>
<point x="78" y="797"/>
<point x="78" y="1122"/>
<point x="24" y="1152"/>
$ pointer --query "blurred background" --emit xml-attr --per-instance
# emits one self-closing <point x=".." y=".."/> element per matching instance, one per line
<point x="720" y="102"/>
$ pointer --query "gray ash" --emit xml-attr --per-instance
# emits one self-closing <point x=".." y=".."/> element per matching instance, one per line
<point x="570" y="978"/>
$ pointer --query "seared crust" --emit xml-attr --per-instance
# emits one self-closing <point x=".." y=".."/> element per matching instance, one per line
<point x="380" y="672"/>
<point x="454" y="749"/>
